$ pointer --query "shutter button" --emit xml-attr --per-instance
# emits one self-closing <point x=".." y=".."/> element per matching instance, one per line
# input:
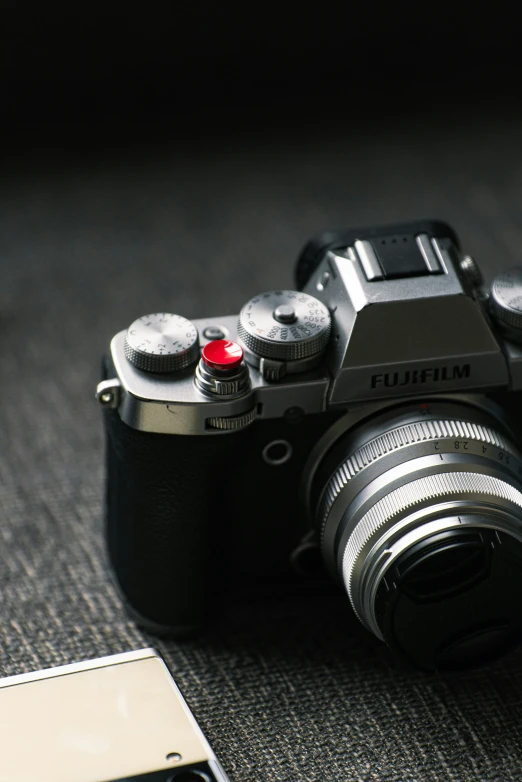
<point x="222" y="354"/>
<point x="222" y="370"/>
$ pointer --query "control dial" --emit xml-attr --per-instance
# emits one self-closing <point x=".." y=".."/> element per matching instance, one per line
<point x="162" y="342"/>
<point x="506" y="302"/>
<point x="284" y="326"/>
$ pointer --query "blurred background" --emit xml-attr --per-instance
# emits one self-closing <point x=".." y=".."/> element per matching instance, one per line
<point x="179" y="161"/>
<point x="212" y="137"/>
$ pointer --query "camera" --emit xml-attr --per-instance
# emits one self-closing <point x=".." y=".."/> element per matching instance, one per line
<point x="359" y="433"/>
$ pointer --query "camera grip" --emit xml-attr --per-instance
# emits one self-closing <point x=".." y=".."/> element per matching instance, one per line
<point x="158" y="498"/>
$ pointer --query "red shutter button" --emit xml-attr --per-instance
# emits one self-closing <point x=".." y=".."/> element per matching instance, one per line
<point x="222" y="354"/>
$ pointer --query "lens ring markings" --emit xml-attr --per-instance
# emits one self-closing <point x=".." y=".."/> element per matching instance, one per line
<point x="434" y="431"/>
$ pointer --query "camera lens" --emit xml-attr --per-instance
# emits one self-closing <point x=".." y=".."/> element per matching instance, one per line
<point x="420" y="515"/>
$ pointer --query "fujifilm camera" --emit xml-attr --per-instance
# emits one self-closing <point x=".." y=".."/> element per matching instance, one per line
<point x="360" y="430"/>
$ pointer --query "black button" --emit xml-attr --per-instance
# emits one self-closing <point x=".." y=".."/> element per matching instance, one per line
<point x="400" y="256"/>
<point x="214" y="332"/>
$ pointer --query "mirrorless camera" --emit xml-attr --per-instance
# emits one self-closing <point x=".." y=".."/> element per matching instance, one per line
<point x="362" y="430"/>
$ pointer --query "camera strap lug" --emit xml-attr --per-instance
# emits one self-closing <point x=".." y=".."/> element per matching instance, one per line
<point x="108" y="393"/>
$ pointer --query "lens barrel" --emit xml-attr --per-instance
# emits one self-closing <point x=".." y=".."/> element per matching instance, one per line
<point x="420" y="516"/>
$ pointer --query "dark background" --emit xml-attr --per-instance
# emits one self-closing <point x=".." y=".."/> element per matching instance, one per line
<point x="154" y="163"/>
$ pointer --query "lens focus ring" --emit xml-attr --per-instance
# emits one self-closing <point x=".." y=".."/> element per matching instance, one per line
<point x="401" y="437"/>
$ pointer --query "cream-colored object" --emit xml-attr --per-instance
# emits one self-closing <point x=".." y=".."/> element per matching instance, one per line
<point x="101" y="720"/>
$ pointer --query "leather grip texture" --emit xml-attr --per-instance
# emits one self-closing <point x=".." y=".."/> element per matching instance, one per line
<point x="190" y="518"/>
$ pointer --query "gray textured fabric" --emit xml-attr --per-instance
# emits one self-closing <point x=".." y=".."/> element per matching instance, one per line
<point x="295" y="689"/>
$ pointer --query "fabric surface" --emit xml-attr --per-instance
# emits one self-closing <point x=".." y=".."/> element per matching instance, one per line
<point x="295" y="689"/>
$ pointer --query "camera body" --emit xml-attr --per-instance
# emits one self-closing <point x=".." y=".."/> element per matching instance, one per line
<point x="223" y="434"/>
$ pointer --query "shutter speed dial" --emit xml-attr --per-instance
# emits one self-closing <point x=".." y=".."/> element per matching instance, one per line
<point x="162" y="342"/>
<point x="506" y="302"/>
<point x="284" y="326"/>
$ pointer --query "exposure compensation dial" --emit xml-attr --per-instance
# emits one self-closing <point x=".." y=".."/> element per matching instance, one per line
<point x="284" y="326"/>
<point x="162" y="342"/>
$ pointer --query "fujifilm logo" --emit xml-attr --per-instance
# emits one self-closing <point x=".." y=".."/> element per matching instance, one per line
<point x="419" y="376"/>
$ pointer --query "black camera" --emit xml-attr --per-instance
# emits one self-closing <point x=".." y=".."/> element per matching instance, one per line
<point x="360" y="430"/>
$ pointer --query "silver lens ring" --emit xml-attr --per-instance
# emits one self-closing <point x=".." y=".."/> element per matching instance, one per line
<point x="396" y="440"/>
<point x="386" y="530"/>
<point x="399" y="485"/>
